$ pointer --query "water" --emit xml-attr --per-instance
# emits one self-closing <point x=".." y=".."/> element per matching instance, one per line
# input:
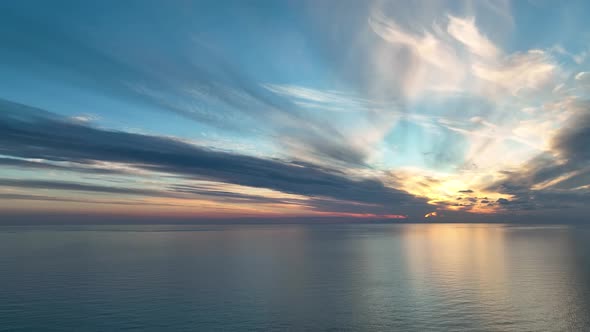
<point x="295" y="277"/>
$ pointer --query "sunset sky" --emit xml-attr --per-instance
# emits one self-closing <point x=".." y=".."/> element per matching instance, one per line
<point x="271" y="110"/>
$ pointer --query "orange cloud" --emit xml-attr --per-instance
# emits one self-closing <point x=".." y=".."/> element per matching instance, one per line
<point x="431" y="214"/>
<point x="362" y="215"/>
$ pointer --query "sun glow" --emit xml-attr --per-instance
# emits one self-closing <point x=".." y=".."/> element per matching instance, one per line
<point x="454" y="192"/>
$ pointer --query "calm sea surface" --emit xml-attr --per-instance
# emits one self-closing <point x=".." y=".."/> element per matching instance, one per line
<point x="295" y="277"/>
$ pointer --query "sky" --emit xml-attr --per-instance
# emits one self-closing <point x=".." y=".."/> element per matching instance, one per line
<point x="474" y="111"/>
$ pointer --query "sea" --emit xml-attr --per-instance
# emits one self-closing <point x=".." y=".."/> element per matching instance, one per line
<point x="295" y="277"/>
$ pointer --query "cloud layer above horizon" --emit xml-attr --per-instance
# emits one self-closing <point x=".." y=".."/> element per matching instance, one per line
<point x="459" y="111"/>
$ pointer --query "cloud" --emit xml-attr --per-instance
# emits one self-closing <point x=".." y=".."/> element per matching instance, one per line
<point x="573" y="140"/>
<point x="432" y="63"/>
<point x="68" y="167"/>
<point x="582" y="76"/>
<point x="465" y="31"/>
<point x="28" y="197"/>
<point x="179" y="192"/>
<point x="31" y="133"/>
<point x="73" y="186"/>
<point x="520" y="72"/>
<point x="85" y="118"/>
<point x="372" y="120"/>
<point x="582" y="80"/>
<point x="468" y="191"/>
<point x="556" y="179"/>
<point x="462" y="60"/>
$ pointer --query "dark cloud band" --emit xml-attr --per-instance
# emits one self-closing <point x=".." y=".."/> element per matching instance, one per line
<point x="32" y="133"/>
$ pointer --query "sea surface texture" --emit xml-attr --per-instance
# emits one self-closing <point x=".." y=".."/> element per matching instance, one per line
<point x="295" y="277"/>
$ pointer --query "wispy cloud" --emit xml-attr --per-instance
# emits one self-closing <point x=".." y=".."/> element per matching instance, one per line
<point x="465" y="31"/>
